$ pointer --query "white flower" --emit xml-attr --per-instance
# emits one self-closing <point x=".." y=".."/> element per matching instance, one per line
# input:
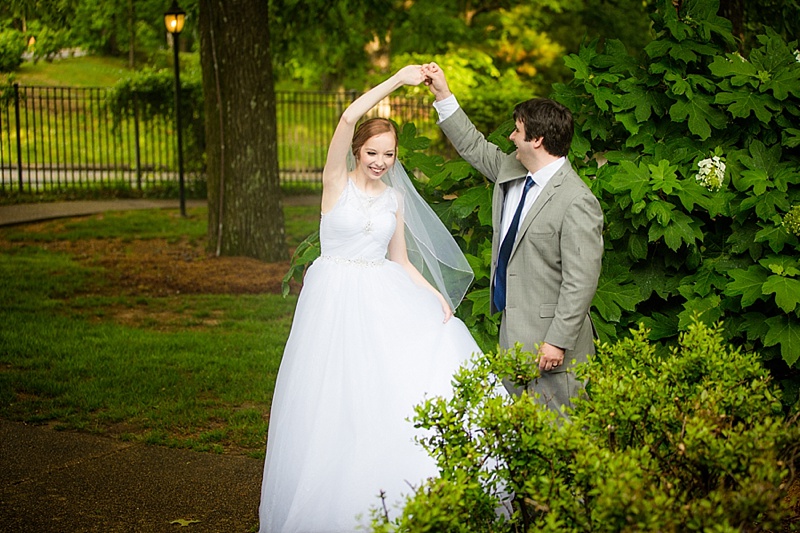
<point x="797" y="55"/>
<point x="712" y="173"/>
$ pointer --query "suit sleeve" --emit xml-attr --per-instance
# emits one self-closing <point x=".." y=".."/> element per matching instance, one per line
<point x="470" y="144"/>
<point x="581" y="257"/>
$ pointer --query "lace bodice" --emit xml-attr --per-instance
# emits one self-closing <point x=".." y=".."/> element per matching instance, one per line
<point x="359" y="227"/>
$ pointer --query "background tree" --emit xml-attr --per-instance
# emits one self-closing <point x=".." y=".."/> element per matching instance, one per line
<point x="244" y="196"/>
<point x="749" y="18"/>
<point x="324" y="44"/>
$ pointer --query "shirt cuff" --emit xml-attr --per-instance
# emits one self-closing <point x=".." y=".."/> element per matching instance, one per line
<point x="446" y="107"/>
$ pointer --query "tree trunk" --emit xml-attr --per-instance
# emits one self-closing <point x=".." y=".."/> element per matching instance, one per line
<point x="734" y="11"/>
<point x="245" y="215"/>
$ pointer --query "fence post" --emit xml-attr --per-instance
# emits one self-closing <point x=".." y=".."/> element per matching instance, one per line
<point x="19" y="137"/>
<point x="136" y="146"/>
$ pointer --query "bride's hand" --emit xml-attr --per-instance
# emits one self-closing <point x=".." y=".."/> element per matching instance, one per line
<point x="448" y="313"/>
<point x="411" y="75"/>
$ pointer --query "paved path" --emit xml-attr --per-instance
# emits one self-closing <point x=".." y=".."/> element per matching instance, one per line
<point x="67" y="482"/>
<point x="34" y="212"/>
<point x="24" y="213"/>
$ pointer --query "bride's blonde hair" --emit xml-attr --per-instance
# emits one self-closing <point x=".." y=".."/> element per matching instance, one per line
<point x="369" y="129"/>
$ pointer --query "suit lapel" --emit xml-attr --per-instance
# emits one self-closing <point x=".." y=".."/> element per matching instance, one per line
<point x="547" y="193"/>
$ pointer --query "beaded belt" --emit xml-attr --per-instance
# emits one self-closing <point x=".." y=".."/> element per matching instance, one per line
<point x="354" y="262"/>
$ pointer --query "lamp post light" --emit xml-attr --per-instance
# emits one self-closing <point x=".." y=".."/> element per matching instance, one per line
<point x="174" y="19"/>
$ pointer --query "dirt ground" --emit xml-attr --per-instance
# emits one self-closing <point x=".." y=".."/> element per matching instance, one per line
<point x="155" y="267"/>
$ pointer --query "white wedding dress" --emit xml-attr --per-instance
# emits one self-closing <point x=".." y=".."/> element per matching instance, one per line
<point x="367" y="344"/>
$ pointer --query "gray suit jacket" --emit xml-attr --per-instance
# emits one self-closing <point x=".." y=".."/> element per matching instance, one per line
<point x="555" y="263"/>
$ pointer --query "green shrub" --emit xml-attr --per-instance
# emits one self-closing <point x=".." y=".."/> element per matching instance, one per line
<point x="689" y="440"/>
<point x="12" y="46"/>
<point x="150" y="93"/>
<point x="49" y="42"/>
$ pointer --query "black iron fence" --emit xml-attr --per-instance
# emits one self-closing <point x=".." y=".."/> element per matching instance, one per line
<point x="55" y="138"/>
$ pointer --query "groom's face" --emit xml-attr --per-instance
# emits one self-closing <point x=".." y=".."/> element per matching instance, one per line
<point x="525" y="149"/>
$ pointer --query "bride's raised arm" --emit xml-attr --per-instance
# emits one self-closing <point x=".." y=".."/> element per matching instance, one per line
<point x="334" y="175"/>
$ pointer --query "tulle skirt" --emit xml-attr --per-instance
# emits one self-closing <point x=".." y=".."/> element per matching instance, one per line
<point x="366" y="345"/>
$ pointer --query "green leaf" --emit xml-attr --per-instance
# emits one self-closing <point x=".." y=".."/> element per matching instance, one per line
<point x="734" y="67"/>
<point x="477" y="198"/>
<point x="663" y="177"/>
<point x="499" y="137"/>
<point x="678" y="84"/>
<point x="742" y="238"/>
<point x="629" y="121"/>
<point x="429" y="165"/>
<point x="781" y="265"/>
<point x="606" y="331"/>
<point x="633" y="178"/>
<point x="706" y="309"/>
<point x="615" y="292"/>
<point x="791" y="137"/>
<point x="785" y="81"/>
<point x="644" y="102"/>
<point x="786" y="291"/>
<point x="755" y="325"/>
<point x="183" y="522"/>
<point x="742" y="103"/>
<point x="700" y="114"/>
<point x="774" y="235"/>
<point x="681" y="228"/>
<point x="637" y="246"/>
<point x="762" y="157"/>
<point x="658" y="48"/>
<point x="757" y="179"/>
<point x="578" y="65"/>
<point x="747" y="283"/>
<point x="454" y="170"/>
<point x="705" y="280"/>
<point x="660" y="211"/>
<point x="784" y="330"/>
<point x="408" y="139"/>
<point x="655" y="277"/>
<point x="771" y="203"/>
<point x="661" y="326"/>
<point x="306" y="252"/>
<point x="692" y="193"/>
<point x="602" y="96"/>
<point x="479" y="267"/>
<point x="480" y="301"/>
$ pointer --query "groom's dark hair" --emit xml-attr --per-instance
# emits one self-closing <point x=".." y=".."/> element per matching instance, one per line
<point x="548" y="119"/>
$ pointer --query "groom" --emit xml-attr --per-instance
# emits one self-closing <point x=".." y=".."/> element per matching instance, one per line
<point x="547" y="241"/>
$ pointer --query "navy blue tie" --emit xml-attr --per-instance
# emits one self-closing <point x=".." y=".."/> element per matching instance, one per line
<point x="505" y="251"/>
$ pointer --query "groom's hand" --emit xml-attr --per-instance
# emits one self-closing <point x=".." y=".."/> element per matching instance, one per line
<point x="550" y="357"/>
<point x="436" y="81"/>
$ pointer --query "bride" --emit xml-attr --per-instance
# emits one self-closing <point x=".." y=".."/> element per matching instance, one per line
<point x="372" y="337"/>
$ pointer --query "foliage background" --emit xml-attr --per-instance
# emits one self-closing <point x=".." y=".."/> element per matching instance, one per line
<point x="674" y="248"/>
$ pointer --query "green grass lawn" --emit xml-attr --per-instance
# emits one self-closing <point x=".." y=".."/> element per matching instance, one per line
<point x="85" y="71"/>
<point x="196" y="371"/>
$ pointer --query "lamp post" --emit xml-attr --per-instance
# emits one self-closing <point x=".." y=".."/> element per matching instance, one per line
<point x="174" y="19"/>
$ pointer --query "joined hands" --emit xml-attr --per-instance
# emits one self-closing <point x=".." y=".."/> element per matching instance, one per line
<point x="429" y="74"/>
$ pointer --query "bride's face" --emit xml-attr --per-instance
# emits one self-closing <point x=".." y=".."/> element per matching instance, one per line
<point x="377" y="155"/>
